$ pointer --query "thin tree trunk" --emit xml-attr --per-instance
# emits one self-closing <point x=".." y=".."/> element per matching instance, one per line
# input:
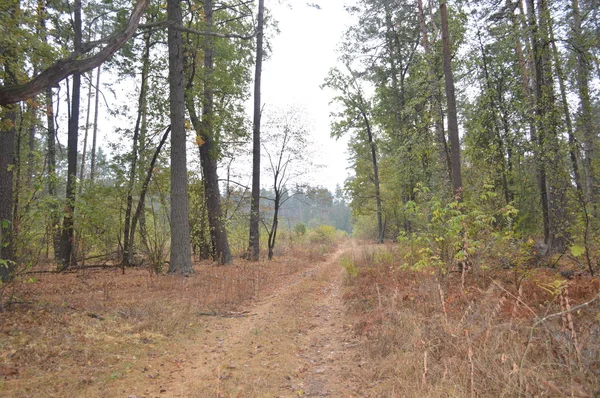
<point x="85" y="135"/>
<point x="181" y="255"/>
<point x="275" y="223"/>
<point x="54" y="218"/>
<point x="500" y="154"/>
<point x="254" y="240"/>
<point x="139" y="210"/>
<point x="95" y="131"/>
<point x="141" y="145"/>
<point x="373" y="147"/>
<point x="453" y="135"/>
<point x="51" y="178"/>
<point x="67" y="254"/>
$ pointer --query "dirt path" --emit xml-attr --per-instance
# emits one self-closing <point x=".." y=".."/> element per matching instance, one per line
<point x="292" y="343"/>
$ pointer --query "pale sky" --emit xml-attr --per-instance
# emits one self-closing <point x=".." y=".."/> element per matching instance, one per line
<point x="302" y="54"/>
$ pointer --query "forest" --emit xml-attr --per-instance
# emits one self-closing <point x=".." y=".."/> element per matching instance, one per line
<point x="473" y="139"/>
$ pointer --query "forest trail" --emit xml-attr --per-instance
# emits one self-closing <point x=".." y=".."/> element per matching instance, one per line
<point x="295" y="342"/>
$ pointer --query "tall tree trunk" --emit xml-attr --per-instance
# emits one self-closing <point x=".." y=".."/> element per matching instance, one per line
<point x="181" y="255"/>
<point x="51" y="177"/>
<point x="568" y="121"/>
<point x="552" y="186"/>
<point x="7" y="145"/>
<point x="453" y="135"/>
<point x="254" y="240"/>
<point x="209" y="150"/>
<point x="434" y="87"/>
<point x="54" y="218"/>
<point x="67" y="254"/>
<point x="585" y="105"/>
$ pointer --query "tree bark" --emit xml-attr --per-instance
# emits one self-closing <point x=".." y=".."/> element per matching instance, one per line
<point x="181" y="255"/>
<point x="209" y="150"/>
<point x="552" y="188"/>
<point x="7" y="143"/>
<point x="453" y="135"/>
<point x="67" y="255"/>
<point x="254" y="240"/>
<point x="373" y="149"/>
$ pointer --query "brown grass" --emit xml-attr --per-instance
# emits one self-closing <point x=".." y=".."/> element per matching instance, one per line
<point x="486" y="340"/>
<point x="84" y="333"/>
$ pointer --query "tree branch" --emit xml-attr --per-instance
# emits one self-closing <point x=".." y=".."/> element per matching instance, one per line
<point x="66" y="67"/>
<point x="160" y="24"/>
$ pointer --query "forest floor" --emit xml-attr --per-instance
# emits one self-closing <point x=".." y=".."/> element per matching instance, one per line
<point x="98" y="335"/>
<point x="349" y="323"/>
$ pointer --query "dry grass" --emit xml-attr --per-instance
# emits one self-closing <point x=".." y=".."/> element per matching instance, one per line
<point x="85" y="333"/>
<point x="428" y="337"/>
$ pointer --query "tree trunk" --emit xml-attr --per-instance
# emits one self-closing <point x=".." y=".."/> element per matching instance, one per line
<point x="275" y="223"/>
<point x="209" y="150"/>
<point x="453" y="135"/>
<point x="7" y="143"/>
<point x="254" y="240"/>
<point x="585" y="105"/>
<point x="138" y="150"/>
<point x="434" y="87"/>
<point x="54" y="231"/>
<point x="552" y="186"/>
<point x="67" y="254"/>
<point x="139" y="210"/>
<point x="373" y="147"/>
<point x="85" y="135"/>
<point x="181" y="255"/>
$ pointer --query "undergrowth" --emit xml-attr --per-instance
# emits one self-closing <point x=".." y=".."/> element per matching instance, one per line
<point x="501" y="332"/>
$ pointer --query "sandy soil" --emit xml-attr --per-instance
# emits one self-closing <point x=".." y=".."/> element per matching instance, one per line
<point x="289" y="344"/>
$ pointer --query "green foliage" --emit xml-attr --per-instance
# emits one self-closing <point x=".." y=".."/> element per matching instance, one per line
<point x="350" y="266"/>
<point x="300" y="229"/>
<point x="323" y="234"/>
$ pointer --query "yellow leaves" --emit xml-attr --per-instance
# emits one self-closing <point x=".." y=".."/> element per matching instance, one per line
<point x="199" y="141"/>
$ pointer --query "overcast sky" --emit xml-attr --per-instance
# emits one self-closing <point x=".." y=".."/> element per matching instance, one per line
<point x="302" y="54"/>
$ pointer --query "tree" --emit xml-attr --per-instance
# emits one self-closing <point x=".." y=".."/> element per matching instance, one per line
<point x="181" y="260"/>
<point x="286" y="148"/>
<point x="67" y="240"/>
<point x="356" y="117"/>
<point x="453" y="135"/>
<point x="62" y="68"/>
<point x="254" y="240"/>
